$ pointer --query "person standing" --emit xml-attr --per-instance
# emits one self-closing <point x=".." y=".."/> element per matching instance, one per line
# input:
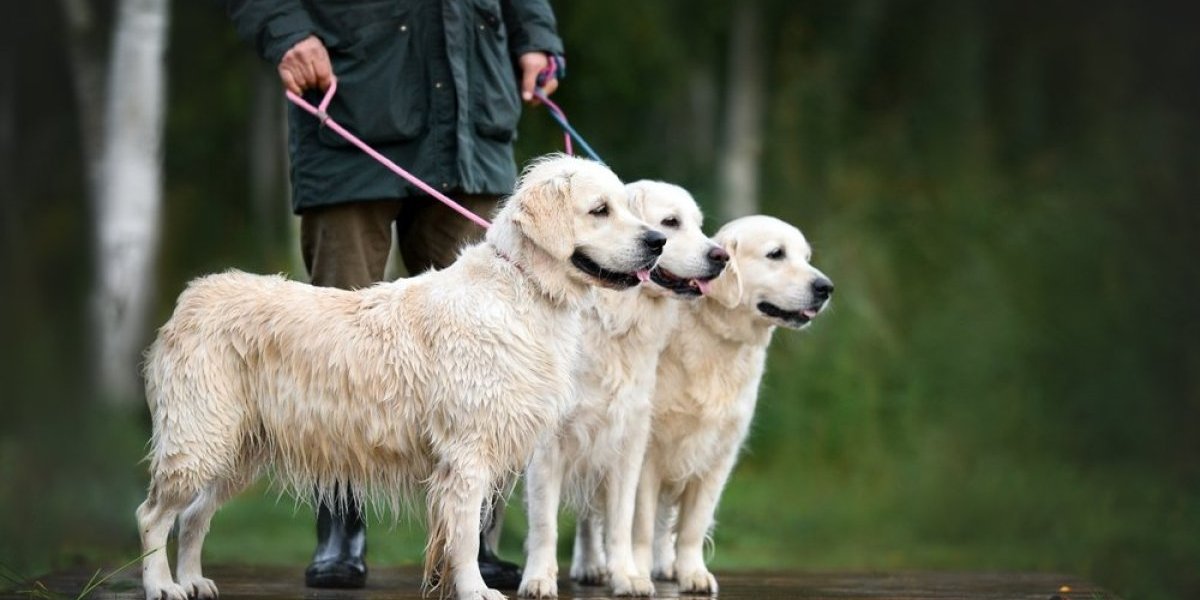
<point x="437" y="87"/>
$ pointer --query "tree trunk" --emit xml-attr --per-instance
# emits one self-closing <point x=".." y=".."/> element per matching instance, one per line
<point x="744" y="112"/>
<point x="129" y="195"/>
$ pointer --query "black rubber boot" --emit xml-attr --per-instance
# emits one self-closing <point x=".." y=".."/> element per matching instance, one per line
<point x="497" y="573"/>
<point x="341" y="547"/>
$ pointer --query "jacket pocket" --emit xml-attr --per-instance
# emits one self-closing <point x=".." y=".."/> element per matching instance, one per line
<point x="495" y="98"/>
<point x="382" y="89"/>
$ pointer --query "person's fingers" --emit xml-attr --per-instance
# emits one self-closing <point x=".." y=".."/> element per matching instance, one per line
<point x="306" y="65"/>
<point x="288" y="80"/>
<point x="549" y="86"/>
<point x="324" y="78"/>
<point x="306" y="72"/>
<point x="323" y="70"/>
<point x="294" y="64"/>
<point x="528" y="82"/>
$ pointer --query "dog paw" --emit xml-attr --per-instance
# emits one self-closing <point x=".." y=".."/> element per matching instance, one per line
<point x="698" y="582"/>
<point x="538" y="587"/>
<point x="664" y="573"/>
<point x="200" y="588"/>
<point x="623" y="585"/>
<point x="589" y="574"/>
<point x="165" y="591"/>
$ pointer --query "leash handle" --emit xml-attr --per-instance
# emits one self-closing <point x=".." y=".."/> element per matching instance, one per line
<point x="554" y="67"/>
<point x="319" y="112"/>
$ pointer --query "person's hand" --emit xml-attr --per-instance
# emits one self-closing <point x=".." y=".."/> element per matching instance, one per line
<point x="531" y="64"/>
<point x="306" y="65"/>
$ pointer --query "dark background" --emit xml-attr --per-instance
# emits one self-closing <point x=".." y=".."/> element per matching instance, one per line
<point x="1005" y="193"/>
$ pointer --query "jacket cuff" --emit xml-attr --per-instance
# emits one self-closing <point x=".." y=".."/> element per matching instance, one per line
<point x="537" y="41"/>
<point x="282" y="32"/>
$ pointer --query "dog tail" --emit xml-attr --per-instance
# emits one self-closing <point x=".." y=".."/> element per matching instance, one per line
<point x="438" y="520"/>
<point x="437" y="567"/>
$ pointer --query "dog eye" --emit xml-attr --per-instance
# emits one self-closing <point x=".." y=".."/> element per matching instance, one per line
<point x="599" y="211"/>
<point x="776" y="254"/>
<point x="671" y="222"/>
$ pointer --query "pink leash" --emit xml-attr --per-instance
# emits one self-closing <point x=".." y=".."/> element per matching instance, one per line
<point x="319" y="112"/>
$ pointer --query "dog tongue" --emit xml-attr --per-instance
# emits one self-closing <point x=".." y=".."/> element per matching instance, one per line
<point x="810" y="313"/>
<point x="702" y="285"/>
<point x="643" y="275"/>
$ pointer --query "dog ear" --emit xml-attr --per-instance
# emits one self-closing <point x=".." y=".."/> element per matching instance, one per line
<point x="727" y="288"/>
<point x="637" y="199"/>
<point x="545" y="215"/>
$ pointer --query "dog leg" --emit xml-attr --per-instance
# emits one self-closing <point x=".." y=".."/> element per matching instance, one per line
<point x="664" y="541"/>
<point x="193" y="526"/>
<point x="697" y="508"/>
<point x="587" y="559"/>
<point x="648" y="490"/>
<point x="155" y="517"/>
<point x="620" y="502"/>
<point x="543" y="489"/>
<point x="456" y="498"/>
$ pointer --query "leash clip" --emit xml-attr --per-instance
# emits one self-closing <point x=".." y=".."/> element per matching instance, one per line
<point x="322" y="113"/>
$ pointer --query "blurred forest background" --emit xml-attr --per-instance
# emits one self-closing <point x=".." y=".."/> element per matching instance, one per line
<point x="1006" y="194"/>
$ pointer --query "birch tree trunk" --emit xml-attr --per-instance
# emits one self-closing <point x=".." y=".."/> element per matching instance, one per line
<point x="744" y="112"/>
<point x="128" y="197"/>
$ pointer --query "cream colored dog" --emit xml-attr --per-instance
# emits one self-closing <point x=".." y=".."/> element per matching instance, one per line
<point x="707" y="387"/>
<point x="598" y="452"/>
<point x="442" y="381"/>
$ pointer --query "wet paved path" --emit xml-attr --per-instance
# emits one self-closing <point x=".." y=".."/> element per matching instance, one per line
<point x="263" y="583"/>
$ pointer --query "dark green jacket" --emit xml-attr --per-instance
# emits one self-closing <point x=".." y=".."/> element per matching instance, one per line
<point x="432" y="84"/>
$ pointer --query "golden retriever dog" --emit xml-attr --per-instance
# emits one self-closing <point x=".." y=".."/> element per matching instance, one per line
<point x="598" y="453"/>
<point x="443" y="381"/>
<point x="707" y="387"/>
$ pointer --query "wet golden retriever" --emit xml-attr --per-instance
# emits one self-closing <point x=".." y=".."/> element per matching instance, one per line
<point x="707" y="387"/>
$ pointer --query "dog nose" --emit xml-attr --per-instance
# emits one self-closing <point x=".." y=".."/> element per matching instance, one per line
<point x="654" y="240"/>
<point x="822" y="288"/>
<point x="718" y="255"/>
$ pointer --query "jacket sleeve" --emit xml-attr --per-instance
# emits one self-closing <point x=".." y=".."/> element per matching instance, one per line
<point x="531" y="27"/>
<point x="273" y="26"/>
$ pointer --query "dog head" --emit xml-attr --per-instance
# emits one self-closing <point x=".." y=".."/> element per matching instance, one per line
<point x="576" y="211"/>
<point x="689" y="260"/>
<point x="769" y="272"/>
